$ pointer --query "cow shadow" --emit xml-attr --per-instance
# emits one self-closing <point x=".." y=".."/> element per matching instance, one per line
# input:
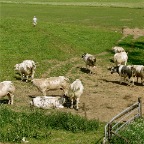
<point x="5" y="101"/>
<point x="84" y="70"/>
<point x="115" y="82"/>
<point x="123" y="83"/>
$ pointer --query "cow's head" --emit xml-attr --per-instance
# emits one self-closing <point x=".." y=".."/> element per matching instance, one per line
<point x="16" y="67"/>
<point x="83" y="55"/>
<point x="114" y="69"/>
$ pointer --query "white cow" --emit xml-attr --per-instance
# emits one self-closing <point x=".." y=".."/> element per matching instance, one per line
<point x="117" y="49"/>
<point x="52" y="83"/>
<point x="7" y="88"/>
<point x="26" y="69"/>
<point x="120" y="58"/>
<point x="48" y="102"/>
<point x="90" y="61"/>
<point x="139" y="72"/>
<point x="74" y="92"/>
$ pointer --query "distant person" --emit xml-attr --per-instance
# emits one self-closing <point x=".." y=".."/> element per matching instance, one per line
<point x="34" y="21"/>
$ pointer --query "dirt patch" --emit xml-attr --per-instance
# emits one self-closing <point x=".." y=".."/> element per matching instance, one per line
<point x="103" y="96"/>
<point x="136" y="32"/>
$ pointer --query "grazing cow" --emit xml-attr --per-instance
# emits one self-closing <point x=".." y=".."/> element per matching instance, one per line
<point x="74" y="92"/>
<point x="120" y="58"/>
<point x="52" y="83"/>
<point x="7" y="89"/>
<point x="139" y="72"/>
<point x="90" y="61"/>
<point x="124" y="71"/>
<point x="48" y="102"/>
<point x="26" y="69"/>
<point x="117" y="49"/>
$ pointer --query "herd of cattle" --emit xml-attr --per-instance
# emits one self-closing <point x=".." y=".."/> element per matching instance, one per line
<point x="73" y="91"/>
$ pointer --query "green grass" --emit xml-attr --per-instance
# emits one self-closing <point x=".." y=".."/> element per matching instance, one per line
<point x="101" y="3"/>
<point x="63" y="32"/>
<point x="134" y="133"/>
<point x="39" y="125"/>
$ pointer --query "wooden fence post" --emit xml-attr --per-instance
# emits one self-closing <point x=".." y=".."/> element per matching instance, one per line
<point x="140" y="106"/>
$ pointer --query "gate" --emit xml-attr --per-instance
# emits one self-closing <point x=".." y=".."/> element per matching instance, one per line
<point x="121" y="120"/>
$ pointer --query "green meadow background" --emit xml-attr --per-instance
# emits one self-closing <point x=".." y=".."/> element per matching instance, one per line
<point x="65" y="29"/>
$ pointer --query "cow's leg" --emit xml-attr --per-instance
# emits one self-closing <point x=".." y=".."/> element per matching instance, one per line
<point x="137" y="79"/>
<point x="22" y="77"/>
<point x="10" y="96"/>
<point x="77" y="102"/>
<point x="132" y="81"/>
<point x="44" y="92"/>
<point x="27" y="77"/>
<point x="120" y="79"/>
<point x="32" y="76"/>
<point x="72" y="103"/>
<point x="142" y="80"/>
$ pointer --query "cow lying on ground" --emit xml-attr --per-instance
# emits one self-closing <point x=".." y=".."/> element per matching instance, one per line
<point x="48" y="102"/>
<point x="90" y="61"/>
<point x="52" y="83"/>
<point x="139" y="72"/>
<point x="74" y="92"/>
<point x="26" y="69"/>
<point x="125" y="72"/>
<point x="117" y="49"/>
<point x="120" y="58"/>
<point x="7" y="89"/>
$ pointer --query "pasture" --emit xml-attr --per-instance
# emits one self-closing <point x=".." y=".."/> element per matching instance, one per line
<point x="65" y="30"/>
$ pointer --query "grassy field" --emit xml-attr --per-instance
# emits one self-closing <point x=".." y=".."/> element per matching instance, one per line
<point x="66" y="29"/>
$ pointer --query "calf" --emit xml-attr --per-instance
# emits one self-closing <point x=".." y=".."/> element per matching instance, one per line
<point x="52" y="83"/>
<point x="124" y="71"/>
<point x="7" y="89"/>
<point x="90" y="61"/>
<point x="120" y="58"/>
<point x="26" y="69"/>
<point x="74" y="92"/>
<point x="48" y="102"/>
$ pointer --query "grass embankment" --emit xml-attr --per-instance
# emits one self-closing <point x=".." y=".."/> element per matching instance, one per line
<point x="37" y="125"/>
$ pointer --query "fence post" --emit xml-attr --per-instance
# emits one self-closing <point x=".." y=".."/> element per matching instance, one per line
<point x="109" y="131"/>
<point x="140" y="106"/>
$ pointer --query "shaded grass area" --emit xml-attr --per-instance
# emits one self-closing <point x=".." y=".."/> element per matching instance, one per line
<point x="38" y="125"/>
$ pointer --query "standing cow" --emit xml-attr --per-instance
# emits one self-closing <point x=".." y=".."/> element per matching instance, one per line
<point x="26" y="69"/>
<point x="139" y="72"/>
<point x="52" y="83"/>
<point x="74" y="92"/>
<point x="90" y="61"/>
<point x="7" y="88"/>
